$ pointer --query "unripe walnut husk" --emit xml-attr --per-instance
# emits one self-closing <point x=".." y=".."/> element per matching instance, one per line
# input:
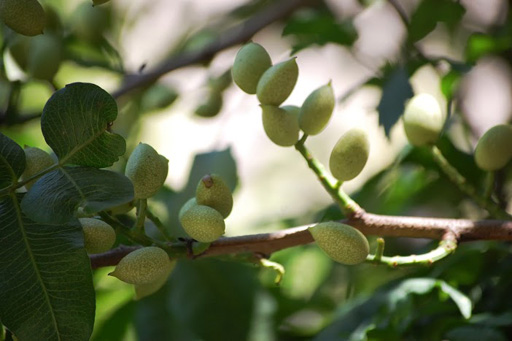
<point x="349" y="155"/>
<point x="251" y="61"/>
<point x="203" y="223"/>
<point x="147" y="170"/>
<point x="214" y="192"/>
<point x="143" y="266"/>
<point x="423" y="120"/>
<point x="98" y="235"/>
<point x="342" y="243"/>
<point x="277" y="83"/>
<point x="493" y="150"/>
<point x="281" y="124"/>
<point x="317" y="110"/>
<point x="37" y="160"/>
<point x="146" y="289"/>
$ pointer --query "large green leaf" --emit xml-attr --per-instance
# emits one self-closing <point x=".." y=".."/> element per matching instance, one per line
<point x="46" y="290"/>
<point x="214" y="299"/>
<point x="75" y="124"/>
<point x="12" y="161"/>
<point x="430" y="12"/>
<point x="56" y="196"/>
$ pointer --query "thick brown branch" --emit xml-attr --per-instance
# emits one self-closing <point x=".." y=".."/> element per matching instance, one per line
<point x="369" y="224"/>
<point x="236" y="35"/>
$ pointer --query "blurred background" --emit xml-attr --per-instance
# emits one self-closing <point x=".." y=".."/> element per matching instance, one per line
<point x="377" y="54"/>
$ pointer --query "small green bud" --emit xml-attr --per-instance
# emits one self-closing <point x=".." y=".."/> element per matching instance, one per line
<point x="147" y="170"/>
<point x="342" y="243"/>
<point x="146" y="289"/>
<point x="37" y="160"/>
<point x="349" y="155"/>
<point x="211" y="107"/>
<point x="317" y="110"/>
<point x="281" y="124"/>
<point x="251" y="61"/>
<point x="493" y="150"/>
<point x="212" y="191"/>
<point x="98" y="235"/>
<point x="143" y="266"/>
<point x="45" y="56"/>
<point x="26" y="17"/>
<point x="423" y="120"/>
<point x="186" y="206"/>
<point x="203" y="223"/>
<point x="277" y="83"/>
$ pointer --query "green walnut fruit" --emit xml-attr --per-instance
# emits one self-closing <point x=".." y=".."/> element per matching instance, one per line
<point x="277" y="83"/>
<point x="342" y="243"/>
<point x="349" y="155"/>
<point x="212" y="106"/>
<point x="203" y="223"/>
<point x="423" y="120"/>
<point x="158" y="96"/>
<point x="251" y="61"/>
<point x="143" y="266"/>
<point x="212" y="191"/>
<point x="281" y="124"/>
<point x="186" y="206"/>
<point x="317" y="110"/>
<point x="146" y="289"/>
<point x="89" y="23"/>
<point x="37" y="160"/>
<point x="147" y="170"/>
<point x="98" y="235"/>
<point x="493" y="150"/>
<point x="45" y="56"/>
<point x="19" y="48"/>
<point x="26" y="17"/>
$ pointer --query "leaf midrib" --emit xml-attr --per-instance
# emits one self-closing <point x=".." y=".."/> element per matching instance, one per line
<point x="33" y="261"/>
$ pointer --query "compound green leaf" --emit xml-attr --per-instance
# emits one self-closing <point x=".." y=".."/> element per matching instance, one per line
<point x="75" y="124"/>
<point x="46" y="288"/>
<point x="56" y="196"/>
<point x="12" y="161"/>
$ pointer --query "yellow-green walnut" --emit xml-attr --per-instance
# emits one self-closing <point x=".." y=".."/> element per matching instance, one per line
<point x="143" y="266"/>
<point x="342" y="243"/>
<point x="349" y="155"/>
<point x="277" y="83"/>
<point x="45" y="56"/>
<point x="251" y="61"/>
<point x="147" y="170"/>
<point x="317" y="110"/>
<point x="26" y="17"/>
<point x="212" y="106"/>
<point x="146" y="289"/>
<point x="203" y="223"/>
<point x="186" y="206"/>
<point x="212" y="191"/>
<point x="493" y="150"/>
<point x="281" y="124"/>
<point x="98" y="235"/>
<point x="423" y="120"/>
<point x="36" y="160"/>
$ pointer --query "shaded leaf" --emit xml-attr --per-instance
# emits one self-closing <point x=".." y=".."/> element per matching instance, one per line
<point x="46" y="291"/>
<point x="115" y="327"/>
<point x="395" y="91"/>
<point x="12" y="161"/>
<point x="474" y="333"/>
<point x="200" y="290"/>
<point x="74" y="123"/>
<point x="429" y="13"/>
<point x="55" y="197"/>
<point x="319" y="27"/>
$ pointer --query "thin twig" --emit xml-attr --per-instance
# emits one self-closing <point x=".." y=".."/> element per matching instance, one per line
<point x="235" y="35"/>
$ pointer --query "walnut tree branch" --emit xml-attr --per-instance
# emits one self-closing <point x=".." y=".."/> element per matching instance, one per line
<point x="370" y="224"/>
<point x="235" y="35"/>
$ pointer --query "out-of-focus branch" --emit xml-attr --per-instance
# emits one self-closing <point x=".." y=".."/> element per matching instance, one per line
<point x="235" y="35"/>
<point x="370" y="224"/>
